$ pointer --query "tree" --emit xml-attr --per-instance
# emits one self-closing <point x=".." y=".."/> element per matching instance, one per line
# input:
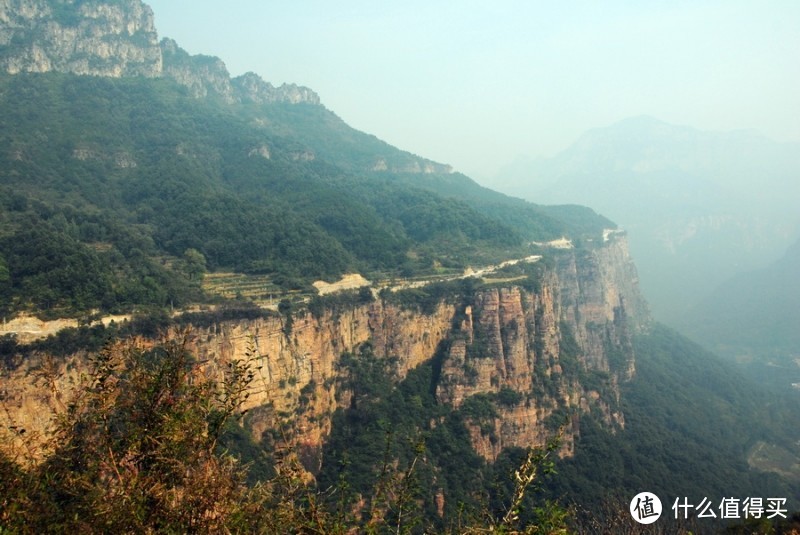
<point x="135" y="450"/>
<point x="5" y="278"/>
<point x="194" y="264"/>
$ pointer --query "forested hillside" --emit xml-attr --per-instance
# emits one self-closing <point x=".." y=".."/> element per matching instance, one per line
<point x="692" y="424"/>
<point x="122" y="192"/>
<point x="753" y="319"/>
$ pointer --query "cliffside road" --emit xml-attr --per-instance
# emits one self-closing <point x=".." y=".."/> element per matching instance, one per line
<point x="354" y="281"/>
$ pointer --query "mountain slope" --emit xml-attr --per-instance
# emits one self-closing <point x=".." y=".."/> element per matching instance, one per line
<point x="160" y="165"/>
<point x="754" y="318"/>
<point x="130" y="174"/>
<point x="314" y="132"/>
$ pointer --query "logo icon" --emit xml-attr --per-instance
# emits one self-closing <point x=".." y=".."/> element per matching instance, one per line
<point x="645" y="508"/>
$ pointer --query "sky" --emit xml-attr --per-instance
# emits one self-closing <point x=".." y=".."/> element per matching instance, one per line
<point x="479" y="84"/>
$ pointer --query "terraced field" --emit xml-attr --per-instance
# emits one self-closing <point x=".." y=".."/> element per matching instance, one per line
<point x="257" y="288"/>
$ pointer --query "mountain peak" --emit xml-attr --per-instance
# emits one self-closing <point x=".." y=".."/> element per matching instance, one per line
<point x="641" y="121"/>
<point x="250" y="87"/>
<point x="93" y="37"/>
<point x="203" y="75"/>
<point x="118" y="39"/>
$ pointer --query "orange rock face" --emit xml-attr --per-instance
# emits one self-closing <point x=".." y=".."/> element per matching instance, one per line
<point x="503" y="343"/>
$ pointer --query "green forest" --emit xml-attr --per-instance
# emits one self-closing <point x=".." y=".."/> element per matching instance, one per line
<point x="691" y="420"/>
<point x="118" y="193"/>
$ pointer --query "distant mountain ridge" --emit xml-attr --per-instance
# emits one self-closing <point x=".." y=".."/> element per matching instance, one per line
<point x="699" y="206"/>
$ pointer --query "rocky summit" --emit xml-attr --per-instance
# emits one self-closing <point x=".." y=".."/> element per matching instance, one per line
<point x="119" y="39"/>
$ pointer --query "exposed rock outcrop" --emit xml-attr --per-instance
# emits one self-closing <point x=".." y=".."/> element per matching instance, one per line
<point x="92" y="37"/>
<point x="250" y="87"/>
<point x="509" y="350"/>
<point x="116" y="39"/>
<point x="600" y="296"/>
<point x="203" y="75"/>
<point x="413" y="165"/>
<point x="504" y="344"/>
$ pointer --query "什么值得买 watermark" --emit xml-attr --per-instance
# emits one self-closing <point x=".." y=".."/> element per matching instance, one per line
<point x="646" y="508"/>
<point x="732" y="508"/>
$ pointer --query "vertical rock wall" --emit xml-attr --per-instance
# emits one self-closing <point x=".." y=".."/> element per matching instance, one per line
<point x="88" y="38"/>
<point x="504" y="344"/>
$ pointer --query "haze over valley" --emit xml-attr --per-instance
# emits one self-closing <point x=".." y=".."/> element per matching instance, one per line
<point x="699" y="206"/>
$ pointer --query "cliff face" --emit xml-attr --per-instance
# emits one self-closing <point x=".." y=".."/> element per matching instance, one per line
<point x="202" y="75"/>
<point x="508" y="344"/>
<point x="526" y="351"/>
<point x="415" y="166"/>
<point x="299" y="380"/>
<point x="115" y="39"/>
<point x="536" y="352"/>
<point x="600" y="296"/>
<point x="89" y="38"/>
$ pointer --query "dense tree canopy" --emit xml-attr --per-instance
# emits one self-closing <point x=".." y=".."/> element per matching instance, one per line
<point x="107" y="183"/>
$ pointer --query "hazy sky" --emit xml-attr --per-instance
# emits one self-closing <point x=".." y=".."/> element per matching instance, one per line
<point x="477" y="84"/>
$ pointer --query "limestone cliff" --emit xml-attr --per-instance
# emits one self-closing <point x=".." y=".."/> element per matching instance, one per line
<point x="202" y="75"/>
<point x="250" y="87"/>
<point x="529" y="351"/>
<point x="92" y="37"/>
<point x="535" y="354"/>
<point x="116" y="39"/>
<point x="600" y="296"/>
